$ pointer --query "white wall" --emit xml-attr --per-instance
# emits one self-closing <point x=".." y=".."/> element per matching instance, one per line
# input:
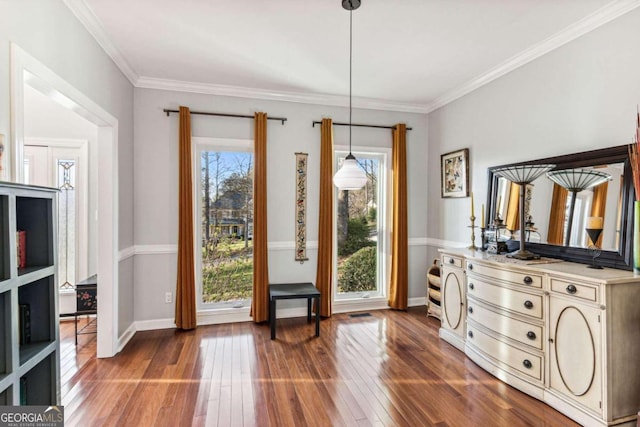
<point x="580" y="97"/>
<point x="156" y="194"/>
<point x="48" y="31"/>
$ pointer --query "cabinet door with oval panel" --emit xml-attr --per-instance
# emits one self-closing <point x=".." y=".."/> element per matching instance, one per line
<point x="575" y="352"/>
<point x="453" y="301"/>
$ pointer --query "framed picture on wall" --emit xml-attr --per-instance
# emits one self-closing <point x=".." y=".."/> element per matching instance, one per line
<point x="454" y="173"/>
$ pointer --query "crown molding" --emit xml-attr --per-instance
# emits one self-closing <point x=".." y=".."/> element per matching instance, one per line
<point x="598" y="18"/>
<point x="86" y="16"/>
<point x="272" y="95"/>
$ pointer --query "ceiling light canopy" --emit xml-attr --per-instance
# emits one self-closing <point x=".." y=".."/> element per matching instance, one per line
<point x="350" y="176"/>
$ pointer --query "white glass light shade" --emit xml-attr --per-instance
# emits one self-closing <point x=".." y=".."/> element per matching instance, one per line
<point x="522" y="174"/>
<point x="578" y="179"/>
<point x="350" y="176"/>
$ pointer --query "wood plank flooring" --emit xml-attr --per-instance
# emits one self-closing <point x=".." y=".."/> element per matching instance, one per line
<point x="387" y="369"/>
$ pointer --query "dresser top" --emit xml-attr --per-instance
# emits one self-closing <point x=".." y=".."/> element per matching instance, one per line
<point x="556" y="267"/>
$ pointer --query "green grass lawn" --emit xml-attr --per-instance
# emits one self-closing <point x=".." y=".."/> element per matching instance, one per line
<point x="227" y="280"/>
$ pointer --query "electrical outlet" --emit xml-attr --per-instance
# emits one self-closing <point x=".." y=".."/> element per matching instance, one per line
<point x="168" y="297"/>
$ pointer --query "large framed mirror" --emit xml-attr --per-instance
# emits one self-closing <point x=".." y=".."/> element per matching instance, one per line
<point x="547" y="208"/>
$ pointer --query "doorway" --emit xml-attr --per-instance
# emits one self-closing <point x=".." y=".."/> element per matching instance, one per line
<point x="26" y="71"/>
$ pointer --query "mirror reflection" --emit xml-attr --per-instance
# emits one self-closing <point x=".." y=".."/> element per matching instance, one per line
<point x="548" y="208"/>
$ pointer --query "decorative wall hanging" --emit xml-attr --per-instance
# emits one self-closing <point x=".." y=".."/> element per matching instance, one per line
<point x="454" y="173"/>
<point x="301" y="207"/>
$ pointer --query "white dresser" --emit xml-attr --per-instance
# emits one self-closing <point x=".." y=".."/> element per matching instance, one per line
<point x="559" y="331"/>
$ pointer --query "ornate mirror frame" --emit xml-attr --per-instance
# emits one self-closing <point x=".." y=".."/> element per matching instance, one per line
<point x="620" y="259"/>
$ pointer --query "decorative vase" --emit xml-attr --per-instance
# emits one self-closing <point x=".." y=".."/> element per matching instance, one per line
<point x="636" y="236"/>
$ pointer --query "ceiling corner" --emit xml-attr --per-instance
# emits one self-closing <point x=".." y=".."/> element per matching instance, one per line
<point x="589" y="23"/>
<point x="86" y="16"/>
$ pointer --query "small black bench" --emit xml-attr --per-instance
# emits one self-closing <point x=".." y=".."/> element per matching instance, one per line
<point x="293" y="291"/>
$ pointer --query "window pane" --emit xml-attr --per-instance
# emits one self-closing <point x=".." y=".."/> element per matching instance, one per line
<point x="227" y="225"/>
<point x="358" y="234"/>
<point x="66" y="178"/>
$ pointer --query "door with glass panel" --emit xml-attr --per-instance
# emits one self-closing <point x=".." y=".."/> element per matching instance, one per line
<point x="64" y="168"/>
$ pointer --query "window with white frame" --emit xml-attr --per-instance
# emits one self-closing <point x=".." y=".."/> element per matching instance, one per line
<point x="361" y="231"/>
<point x="224" y="222"/>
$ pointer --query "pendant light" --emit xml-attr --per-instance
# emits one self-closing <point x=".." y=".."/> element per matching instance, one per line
<point x="350" y="176"/>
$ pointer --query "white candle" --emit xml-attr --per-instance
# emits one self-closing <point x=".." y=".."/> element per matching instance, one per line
<point x="472" y="204"/>
<point x="594" y="222"/>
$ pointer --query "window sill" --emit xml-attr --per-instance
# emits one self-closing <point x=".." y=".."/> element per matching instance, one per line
<point x="346" y="305"/>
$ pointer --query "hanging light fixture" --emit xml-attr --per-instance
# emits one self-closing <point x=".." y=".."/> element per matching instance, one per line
<point x="350" y="176"/>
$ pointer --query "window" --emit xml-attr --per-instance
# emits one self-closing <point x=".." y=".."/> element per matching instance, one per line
<point x="361" y="234"/>
<point x="224" y="219"/>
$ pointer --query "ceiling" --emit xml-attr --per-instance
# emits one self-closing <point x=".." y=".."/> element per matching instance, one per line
<point x="412" y="55"/>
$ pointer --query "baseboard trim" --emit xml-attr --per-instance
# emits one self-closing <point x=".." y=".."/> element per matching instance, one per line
<point x="418" y="301"/>
<point x="233" y="315"/>
<point x="152" y="325"/>
<point x="124" y="339"/>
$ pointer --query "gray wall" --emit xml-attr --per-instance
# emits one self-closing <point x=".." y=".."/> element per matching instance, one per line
<point x="580" y="97"/>
<point x="156" y="153"/>
<point x="48" y="31"/>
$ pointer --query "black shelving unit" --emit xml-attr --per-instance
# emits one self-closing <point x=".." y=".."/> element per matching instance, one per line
<point x="29" y="328"/>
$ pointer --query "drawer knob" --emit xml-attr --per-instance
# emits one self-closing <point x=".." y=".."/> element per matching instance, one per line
<point x="470" y="334"/>
<point x="471" y="310"/>
<point x="531" y="335"/>
<point x="470" y="266"/>
<point x="572" y="289"/>
<point x="528" y="304"/>
<point x="451" y="261"/>
<point x="527" y="280"/>
<point x="527" y="363"/>
<point x="471" y="286"/>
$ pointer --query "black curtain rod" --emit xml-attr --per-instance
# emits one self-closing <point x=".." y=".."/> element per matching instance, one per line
<point x="360" y="125"/>
<point x="242" y="116"/>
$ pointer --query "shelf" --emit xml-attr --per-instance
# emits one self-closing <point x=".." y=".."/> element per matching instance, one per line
<point x="36" y="312"/>
<point x="37" y="387"/>
<point x="5" y="269"/>
<point x="29" y="351"/>
<point x="31" y="269"/>
<point x="5" y="332"/>
<point x="34" y="216"/>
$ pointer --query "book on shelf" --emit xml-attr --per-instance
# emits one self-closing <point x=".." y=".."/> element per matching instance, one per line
<point x="25" y="324"/>
<point x="21" y="248"/>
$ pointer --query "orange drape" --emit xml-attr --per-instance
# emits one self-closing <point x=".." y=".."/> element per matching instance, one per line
<point x="260" y="300"/>
<point x="598" y="206"/>
<point x="186" y="284"/>
<point x="324" y="273"/>
<point x="399" y="283"/>
<point x="512" y="221"/>
<point x="557" y="215"/>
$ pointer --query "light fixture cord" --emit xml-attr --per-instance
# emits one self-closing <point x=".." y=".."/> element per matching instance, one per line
<point x="350" y="71"/>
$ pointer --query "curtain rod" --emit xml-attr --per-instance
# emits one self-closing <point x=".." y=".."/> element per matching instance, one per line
<point x="242" y="116"/>
<point x="360" y="125"/>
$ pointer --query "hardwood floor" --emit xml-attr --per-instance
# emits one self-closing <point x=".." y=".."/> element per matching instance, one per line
<point x="388" y="369"/>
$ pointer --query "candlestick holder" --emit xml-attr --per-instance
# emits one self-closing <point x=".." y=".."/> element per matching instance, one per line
<point x="483" y="241"/>
<point x="473" y="246"/>
<point x="594" y="234"/>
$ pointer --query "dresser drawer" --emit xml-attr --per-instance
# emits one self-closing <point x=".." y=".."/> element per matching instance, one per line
<point x="509" y="299"/>
<point x="517" y="360"/>
<point x="517" y="330"/>
<point x="578" y="290"/>
<point x="527" y="279"/>
<point x="451" y="261"/>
